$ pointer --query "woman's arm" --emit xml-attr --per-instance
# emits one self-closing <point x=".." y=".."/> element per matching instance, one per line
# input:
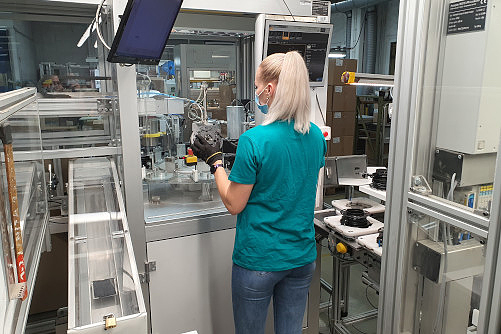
<point x="234" y="195"/>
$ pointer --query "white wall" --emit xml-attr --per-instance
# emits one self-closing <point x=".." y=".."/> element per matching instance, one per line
<point x="387" y="32"/>
<point x="22" y="51"/>
<point x="25" y="61"/>
<point x="338" y="20"/>
<point x="387" y="25"/>
<point x="35" y="42"/>
<point x="57" y="42"/>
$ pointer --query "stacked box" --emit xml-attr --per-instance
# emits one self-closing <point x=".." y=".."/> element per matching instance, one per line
<point x="342" y="145"/>
<point x="341" y="108"/>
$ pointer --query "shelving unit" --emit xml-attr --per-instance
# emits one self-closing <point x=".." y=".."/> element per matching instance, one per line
<point x="375" y="130"/>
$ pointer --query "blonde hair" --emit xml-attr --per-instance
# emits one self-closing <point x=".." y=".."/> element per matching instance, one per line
<point x="292" y="95"/>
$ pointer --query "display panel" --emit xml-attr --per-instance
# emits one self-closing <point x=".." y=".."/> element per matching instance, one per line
<point x="311" y="40"/>
<point x="144" y="30"/>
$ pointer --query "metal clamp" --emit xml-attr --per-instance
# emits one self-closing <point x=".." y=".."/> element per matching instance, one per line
<point x="420" y="185"/>
<point x="109" y="321"/>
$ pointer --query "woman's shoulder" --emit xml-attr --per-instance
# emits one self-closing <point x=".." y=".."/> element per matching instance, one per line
<point x="315" y="130"/>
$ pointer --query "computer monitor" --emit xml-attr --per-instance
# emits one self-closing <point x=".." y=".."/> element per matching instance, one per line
<point x="311" y="40"/>
<point x="144" y="30"/>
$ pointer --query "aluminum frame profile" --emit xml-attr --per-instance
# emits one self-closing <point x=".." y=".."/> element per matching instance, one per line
<point x="407" y="78"/>
<point x="13" y="101"/>
<point x="440" y="207"/>
<point x="392" y="265"/>
<point x="67" y="107"/>
<point x="490" y="301"/>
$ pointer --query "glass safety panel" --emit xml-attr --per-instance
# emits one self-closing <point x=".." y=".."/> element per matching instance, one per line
<point x="102" y="275"/>
<point x="30" y="178"/>
<point x="456" y="128"/>
<point x="444" y="280"/>
<point x="175" y="183"/>
<point x="23" y="204"/>
<point x="76" y="122"/>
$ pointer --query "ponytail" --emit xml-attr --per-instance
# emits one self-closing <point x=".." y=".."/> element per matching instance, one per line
<point x="292" y="96"/>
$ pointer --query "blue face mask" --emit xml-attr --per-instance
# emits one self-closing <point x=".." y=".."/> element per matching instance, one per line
<point x="262" y="107"/>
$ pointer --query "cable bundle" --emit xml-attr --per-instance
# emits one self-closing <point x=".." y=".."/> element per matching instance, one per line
<point x="355" y="218"/>
<point x="379" y="179"/>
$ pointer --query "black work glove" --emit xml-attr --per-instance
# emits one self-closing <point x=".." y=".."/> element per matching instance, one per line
<point x="205" y="151"/>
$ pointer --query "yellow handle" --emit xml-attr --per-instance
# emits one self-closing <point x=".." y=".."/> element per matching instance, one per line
<point x="341" y="248"/>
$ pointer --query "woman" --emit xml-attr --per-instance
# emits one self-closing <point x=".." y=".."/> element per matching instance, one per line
<point x="272" y="188"/>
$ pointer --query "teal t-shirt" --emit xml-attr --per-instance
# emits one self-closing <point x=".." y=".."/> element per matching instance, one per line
<point x="275" y="231"/>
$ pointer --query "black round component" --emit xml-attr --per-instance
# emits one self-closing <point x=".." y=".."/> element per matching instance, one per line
<point x="355" y="218"/>
<point x="379" y="179"/>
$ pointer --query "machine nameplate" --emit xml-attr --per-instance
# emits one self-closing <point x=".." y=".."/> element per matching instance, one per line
<point x="466" y="16"/>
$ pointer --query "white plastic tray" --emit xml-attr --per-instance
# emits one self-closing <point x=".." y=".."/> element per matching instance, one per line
<point x="373" y="207"/>
<point x="352" y="232"/>
<point x="370" y="242"/>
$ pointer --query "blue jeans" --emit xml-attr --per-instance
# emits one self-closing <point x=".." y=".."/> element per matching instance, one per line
<point x="252" y="291"/>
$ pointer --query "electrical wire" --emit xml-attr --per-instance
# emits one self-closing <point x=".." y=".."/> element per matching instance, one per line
<point x="293" y="18"/>
<point x="360" y="34"/>
<point x="450" y="197"/>
<point x="193" y="115"/>
<point x="145" y="76"/>
<point x="320" y="109"/>
<point x="98" y="30"/>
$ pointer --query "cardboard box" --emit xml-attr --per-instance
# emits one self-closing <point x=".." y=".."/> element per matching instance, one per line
<point x="342" y="145"/>
<point x="330" y="93"/>
<point x="342" y="123"/>
<point x="337" y="67"/>
<point x="344" y="98"/>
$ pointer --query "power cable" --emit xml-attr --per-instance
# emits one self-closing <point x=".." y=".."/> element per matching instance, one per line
<point x="98" y="30"/>
<point x="289" y="10"/>
<point x="320" y="109"/>
<point x="360" y="34"/>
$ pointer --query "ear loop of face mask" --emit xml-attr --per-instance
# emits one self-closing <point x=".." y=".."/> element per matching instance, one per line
<point x="262" y="107"/>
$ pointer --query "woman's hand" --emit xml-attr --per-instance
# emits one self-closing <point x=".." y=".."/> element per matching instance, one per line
<point x="205" y="151"/>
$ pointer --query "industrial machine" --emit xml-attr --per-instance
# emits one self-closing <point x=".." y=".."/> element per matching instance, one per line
<point x="439" y="272"/>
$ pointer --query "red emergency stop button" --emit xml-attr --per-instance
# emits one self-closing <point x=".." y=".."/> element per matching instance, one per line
<point x="326" y="134"/>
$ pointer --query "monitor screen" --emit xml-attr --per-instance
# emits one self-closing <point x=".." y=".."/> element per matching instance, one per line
<point x="311" y="40"/>
<point x="144" y="30"/>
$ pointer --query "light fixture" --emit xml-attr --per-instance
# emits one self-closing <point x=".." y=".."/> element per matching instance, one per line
<point x="220" y="56"/>
<point x="367" y="79"/>
<point x="337" y="55"/>
<point x="87" y="32"/>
